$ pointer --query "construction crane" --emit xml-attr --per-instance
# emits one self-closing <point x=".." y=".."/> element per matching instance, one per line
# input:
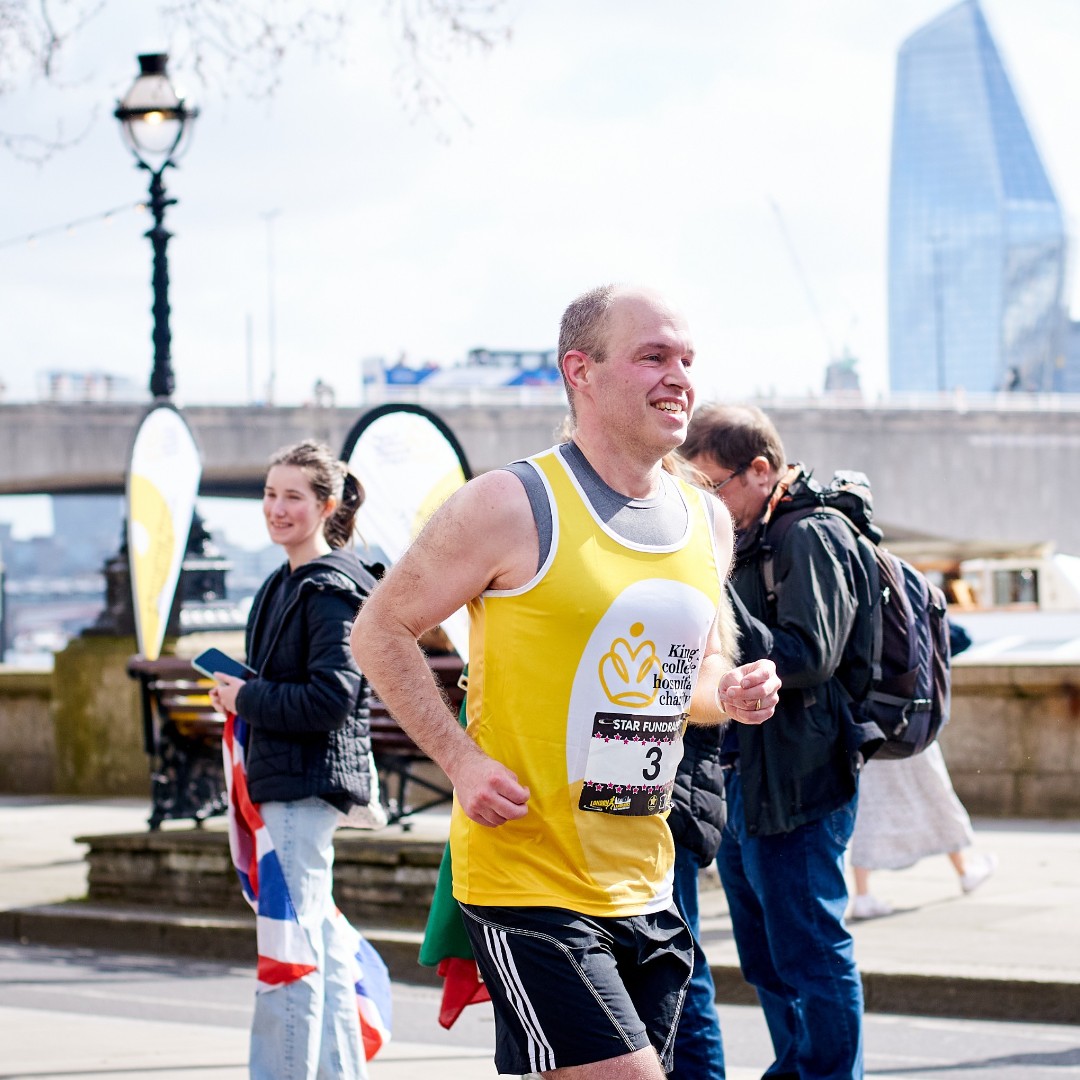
<point x="841" y="368"/>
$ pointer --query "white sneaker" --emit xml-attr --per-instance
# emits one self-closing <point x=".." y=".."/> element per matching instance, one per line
<point x="869" y="906"/>
<point x="978" y="872"/>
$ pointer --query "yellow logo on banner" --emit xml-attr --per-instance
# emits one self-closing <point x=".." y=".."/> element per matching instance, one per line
<point x="153" y="538"/>
<point x="625" y="671"/>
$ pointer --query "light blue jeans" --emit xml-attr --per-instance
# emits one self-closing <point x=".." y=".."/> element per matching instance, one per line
<point x="309" y="1029"/>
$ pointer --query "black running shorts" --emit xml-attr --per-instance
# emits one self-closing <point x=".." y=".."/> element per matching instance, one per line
<point x="571" y="989"/>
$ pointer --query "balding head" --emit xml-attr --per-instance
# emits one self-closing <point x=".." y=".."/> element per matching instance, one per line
<point x="586" y="323"/>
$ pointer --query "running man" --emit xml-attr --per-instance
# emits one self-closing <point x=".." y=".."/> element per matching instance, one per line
<point x="593" y="580"/>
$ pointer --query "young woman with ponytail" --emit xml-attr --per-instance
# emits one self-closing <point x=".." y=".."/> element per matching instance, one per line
<point x="309" y="746"/>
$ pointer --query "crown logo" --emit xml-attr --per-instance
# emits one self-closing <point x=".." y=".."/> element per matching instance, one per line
<point x="625" y="669"/>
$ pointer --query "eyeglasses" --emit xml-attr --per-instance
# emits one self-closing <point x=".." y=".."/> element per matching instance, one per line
<point x="717" y="488"/>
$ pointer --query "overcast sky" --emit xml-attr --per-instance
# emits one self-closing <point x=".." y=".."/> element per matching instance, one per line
<point x="627" y="141"/>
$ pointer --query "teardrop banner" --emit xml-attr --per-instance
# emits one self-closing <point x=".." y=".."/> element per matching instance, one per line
<point x="162" y="482"/>
<point x="410" y="463"/>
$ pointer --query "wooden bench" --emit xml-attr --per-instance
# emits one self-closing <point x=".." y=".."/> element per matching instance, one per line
<point x="182" y="734"/>
<point x="182" y="737"/>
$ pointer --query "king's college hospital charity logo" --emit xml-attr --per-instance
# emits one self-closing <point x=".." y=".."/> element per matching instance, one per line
<point x="628" y="672"/>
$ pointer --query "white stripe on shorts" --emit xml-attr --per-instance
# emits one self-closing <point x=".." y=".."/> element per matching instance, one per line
<point x="541" y="1055"/>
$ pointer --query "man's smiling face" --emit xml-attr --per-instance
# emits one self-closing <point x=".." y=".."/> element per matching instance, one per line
<point x="643" y="387"/>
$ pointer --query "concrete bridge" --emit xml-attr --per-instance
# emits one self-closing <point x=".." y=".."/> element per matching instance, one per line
<point x="993" y="469"/>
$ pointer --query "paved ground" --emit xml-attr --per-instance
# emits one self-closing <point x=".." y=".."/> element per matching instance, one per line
<point x="87" y="1014"/>
<point x="1011" y="950"/>
<point x="41" y="864"/>
<point x="73" y="1015"/>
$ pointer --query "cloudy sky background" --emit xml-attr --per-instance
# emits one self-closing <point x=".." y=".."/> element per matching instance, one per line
<point x="629" y="141"/>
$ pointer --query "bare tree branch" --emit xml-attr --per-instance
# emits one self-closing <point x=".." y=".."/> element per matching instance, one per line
<point x="247" y="42"/>
<point x="37" y="31"/>
<point x="37" y="149"/>
<point x="240" y="46"/>
<point x="431" y="32"/>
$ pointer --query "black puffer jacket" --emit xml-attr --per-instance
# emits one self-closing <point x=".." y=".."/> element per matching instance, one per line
<point x="309" y="725"/>
<point x="698" y="804"/>
<point x="698" y="809"/>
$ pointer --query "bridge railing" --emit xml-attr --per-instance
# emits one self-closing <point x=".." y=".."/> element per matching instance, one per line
<point x="947" y="401"/>
<point x="553" y="395"/>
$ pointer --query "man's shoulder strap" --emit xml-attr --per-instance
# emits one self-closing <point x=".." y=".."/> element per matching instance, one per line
<point x="775" y="534"/>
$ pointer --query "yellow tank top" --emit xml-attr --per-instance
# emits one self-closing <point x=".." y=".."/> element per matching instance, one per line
<point x="579" y="682"/>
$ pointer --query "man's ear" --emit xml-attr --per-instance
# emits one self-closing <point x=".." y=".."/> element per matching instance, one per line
<point x="760" y="469"/>
<point x="575" y="369"/>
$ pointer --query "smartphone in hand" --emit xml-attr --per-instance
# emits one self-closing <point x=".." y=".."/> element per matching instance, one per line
<point x="211" y="660"/>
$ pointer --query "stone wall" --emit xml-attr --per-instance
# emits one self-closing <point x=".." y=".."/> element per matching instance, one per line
<point x="27" y="735"/>
<point x="97" y="720"/>
<point x="1013" y="743"/>
<point x="1012" y="746"/>
<point x="377" y="877"/>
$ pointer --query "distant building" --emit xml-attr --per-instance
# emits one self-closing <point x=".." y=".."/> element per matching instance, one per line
<point x="87" y="529"/>
<point x="75" y="387"/>
<point x="977" y="243"/>
<point x="484" y="369"/>
<point x="5" y="534"/>
<point x="1067" y="378"/>
<point x="842" y="376"/>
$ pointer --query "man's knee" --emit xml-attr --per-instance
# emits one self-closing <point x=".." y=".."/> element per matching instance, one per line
<point x="640" y="1065"/>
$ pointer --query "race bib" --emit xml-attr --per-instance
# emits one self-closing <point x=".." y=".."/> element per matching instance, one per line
<point x="632" y="763"/>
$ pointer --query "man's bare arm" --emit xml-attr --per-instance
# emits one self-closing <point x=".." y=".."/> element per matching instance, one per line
<point x="482" y="537"/>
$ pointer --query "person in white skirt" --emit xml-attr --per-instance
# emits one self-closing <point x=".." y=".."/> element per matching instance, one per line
<point x="907" y="811"/>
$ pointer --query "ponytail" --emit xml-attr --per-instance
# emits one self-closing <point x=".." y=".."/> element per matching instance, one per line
<point x="339" y="526"/>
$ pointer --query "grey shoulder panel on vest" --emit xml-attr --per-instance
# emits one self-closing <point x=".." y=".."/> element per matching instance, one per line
<point x="538" y="502"/>
<point x="657" y="522"/>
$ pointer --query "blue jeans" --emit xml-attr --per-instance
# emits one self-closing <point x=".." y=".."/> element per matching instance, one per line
<point x="309" y="1029"/>
<point x="787" y="895"/>
<point x="699" y="1048"/>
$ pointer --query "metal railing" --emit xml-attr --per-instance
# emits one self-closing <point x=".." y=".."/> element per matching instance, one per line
<point x="948" y="401"/>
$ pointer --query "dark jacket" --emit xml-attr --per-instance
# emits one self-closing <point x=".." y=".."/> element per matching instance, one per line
<point x="309" y="724"/>
<point x="698" y="809"/>
<point x="803" y="762"/>
<point x="698" y="804"/>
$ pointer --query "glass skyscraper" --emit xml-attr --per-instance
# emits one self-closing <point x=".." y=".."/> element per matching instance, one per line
<point x="976" y="237"/>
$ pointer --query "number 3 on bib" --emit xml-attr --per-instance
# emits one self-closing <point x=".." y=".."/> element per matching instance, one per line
<point x="632" y="763"/>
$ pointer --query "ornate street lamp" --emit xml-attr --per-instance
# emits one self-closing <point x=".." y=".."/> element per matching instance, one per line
<point x="155" y="124"/>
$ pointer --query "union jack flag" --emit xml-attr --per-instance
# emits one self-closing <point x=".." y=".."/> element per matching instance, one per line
<point x="285" y="953"/>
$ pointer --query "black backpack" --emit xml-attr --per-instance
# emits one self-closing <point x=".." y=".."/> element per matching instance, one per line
<point x="907" y="692"/>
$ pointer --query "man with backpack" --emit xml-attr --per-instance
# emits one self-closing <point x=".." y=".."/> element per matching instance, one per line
<point x="792" y="785"/>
